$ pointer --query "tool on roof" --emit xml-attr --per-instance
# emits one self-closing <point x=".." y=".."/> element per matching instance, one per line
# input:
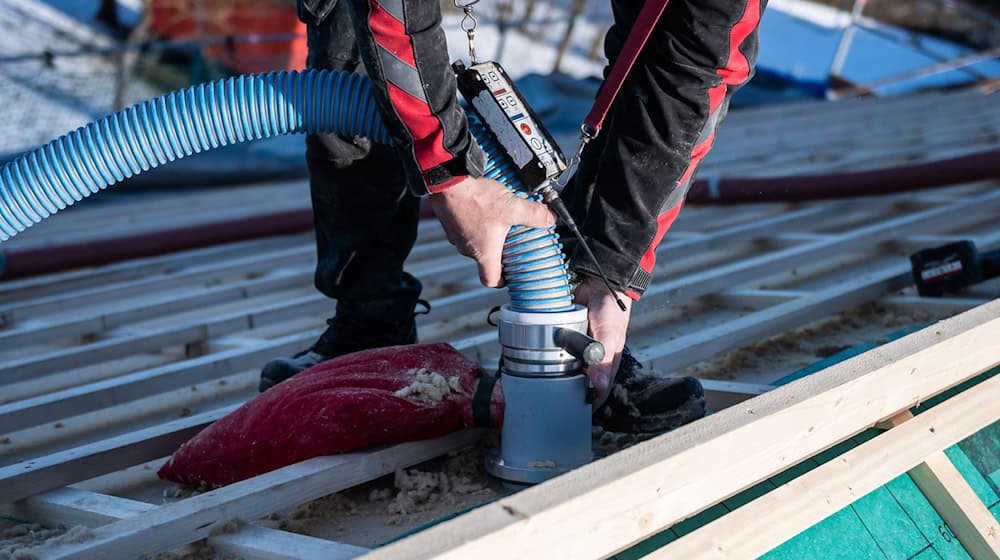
<point x="952" y="267"/>
<point x="544" y="350"/>
<point x="504" y="111"/>
<point x="542" y="332"/>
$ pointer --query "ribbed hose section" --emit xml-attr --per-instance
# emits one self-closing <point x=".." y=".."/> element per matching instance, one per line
<point x="239" y="109"/>
<point x="534" y="267"/>
<point x="178" y="124"/>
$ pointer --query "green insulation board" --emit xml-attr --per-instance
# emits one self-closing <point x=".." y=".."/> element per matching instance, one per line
<point x="895" y="522"/>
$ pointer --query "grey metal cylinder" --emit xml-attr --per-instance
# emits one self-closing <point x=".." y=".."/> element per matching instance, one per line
<point x="547" y="413"/>
<point x="546" y="428"/>
<point x="527" y="341"/>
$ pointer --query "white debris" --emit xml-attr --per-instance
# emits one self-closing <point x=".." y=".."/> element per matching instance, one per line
<point x="430" y="386"/>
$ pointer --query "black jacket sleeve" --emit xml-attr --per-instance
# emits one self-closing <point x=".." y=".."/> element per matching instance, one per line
<point x="633" y="178"/>
<point x="405" y="54"/>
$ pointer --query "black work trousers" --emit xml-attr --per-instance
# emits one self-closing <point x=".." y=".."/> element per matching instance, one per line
<point x="366" y="218"/>
<point x="631" y="182"/>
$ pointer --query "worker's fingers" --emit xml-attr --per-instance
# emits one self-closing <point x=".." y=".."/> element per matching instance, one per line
<point x="607" y="324"/>
<point x="489" y="272"/>
<point x="488" y="255"/>
<point x="602" y="375"/>
<point x="528" y="213"/>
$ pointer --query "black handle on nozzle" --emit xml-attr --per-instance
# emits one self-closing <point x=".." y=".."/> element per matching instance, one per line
<point x="991" y="263"/>
<point x="551" y="198"/>
<point x="579" y="345"/>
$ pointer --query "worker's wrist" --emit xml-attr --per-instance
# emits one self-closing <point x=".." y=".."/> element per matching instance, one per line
<point x="471" y="162"/>
<point x="622" y="271"/>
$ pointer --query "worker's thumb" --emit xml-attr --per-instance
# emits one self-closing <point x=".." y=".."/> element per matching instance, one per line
<point x="531" y="214"/>
<point x="490" y="274"/>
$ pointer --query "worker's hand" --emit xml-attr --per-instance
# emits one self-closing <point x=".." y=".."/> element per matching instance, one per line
<point x="476" y="215"/>
<point x="608" y="325"/>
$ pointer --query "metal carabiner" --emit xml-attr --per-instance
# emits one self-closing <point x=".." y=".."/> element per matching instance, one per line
<point x="469" y="24"/>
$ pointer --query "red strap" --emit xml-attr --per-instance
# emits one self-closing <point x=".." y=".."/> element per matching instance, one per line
<point x="637" y="37"/>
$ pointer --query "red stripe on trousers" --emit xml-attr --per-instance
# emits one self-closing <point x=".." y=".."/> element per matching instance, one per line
<point x="391" y="33"/>
<point x="423" y="126"/>
<point x="663" y="223"/>
<point x="735" y="72"/>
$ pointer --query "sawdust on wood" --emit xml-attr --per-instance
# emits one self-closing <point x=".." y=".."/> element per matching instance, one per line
<point x="423" y="490"/>
<point x="230" y="527"/>
<point x="606" y="443"/>
<point x="372" y="513"/>
<point x="775" y="357"/>
<point x="28" y="541"/>
<point x="181" y="491"/>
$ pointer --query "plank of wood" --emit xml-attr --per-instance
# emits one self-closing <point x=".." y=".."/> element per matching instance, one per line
<point x="129" y="387"/>
<point x="154" y="339"/>
<point x="782" y="149"/>
<point x="615" y="502"/>
<point x="78" y="400"/>
<point x="937" y="306"/>
<point x="738" y="273"/>
<point x="194" y="518"/>
<point x="33" y="476"/>
<point x="111" y="293"/>
<point x="956" y="502"/>
<point x="720" y="395"/>
<point x="757" y="527"/>
<point x="687" y="350"/>
<point x="71" y="506"/>
<point x="712" y="341"/>
<point x="36" y="287"/>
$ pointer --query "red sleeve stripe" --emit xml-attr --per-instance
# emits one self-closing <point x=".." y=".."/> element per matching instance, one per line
<point x="401" y="74"/>
<point x="390" y="33"/>
<point x="405" y="89"/>
<point x="423" y="126"/>
<point x="733" y="73"/>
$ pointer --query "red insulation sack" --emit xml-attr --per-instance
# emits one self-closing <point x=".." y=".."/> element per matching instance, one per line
<point x="375" y="397"/>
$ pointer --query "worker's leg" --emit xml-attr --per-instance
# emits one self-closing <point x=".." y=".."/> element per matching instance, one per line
<point x="661" y="127"/>
<point x="366" y="220"/>
<point x="638" y="171"/>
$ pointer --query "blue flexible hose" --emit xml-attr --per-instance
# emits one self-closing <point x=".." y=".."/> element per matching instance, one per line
<point x="534" y="267"/>
<point x="239" y="109"/>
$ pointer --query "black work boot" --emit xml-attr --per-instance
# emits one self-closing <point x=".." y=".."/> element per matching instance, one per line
<point x="356" y="326"/>
<point x="645" y="403"/>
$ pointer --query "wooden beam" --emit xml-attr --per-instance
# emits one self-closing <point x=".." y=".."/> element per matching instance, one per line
<point x="125" y="388"/>
<point x="129" y="387"/>
<point x="935" y="306"/>
<point x="956" y="503"/>
<point x="720" y="395"/>
<point x="711" y="341"/>
<point x="70" y="506"/>
<point x="194" y="518"/>
<point x="738" y="273"/>
<point x="161" y="300"/>
<point x="606" y="506"/>
<point x="755" y="299"/>
<point x="757" y="527"/>
<point x="35" y="287"/>
<point x="25" y="478"/>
